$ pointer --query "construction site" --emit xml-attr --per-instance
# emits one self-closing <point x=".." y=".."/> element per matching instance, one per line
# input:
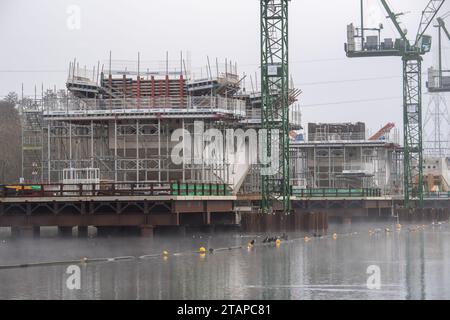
<point x="102" y="153"/>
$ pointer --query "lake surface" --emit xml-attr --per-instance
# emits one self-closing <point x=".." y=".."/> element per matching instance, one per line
<point x="412" y="264"/>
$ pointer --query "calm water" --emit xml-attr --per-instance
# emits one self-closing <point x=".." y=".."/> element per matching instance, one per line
<point x="414" y="265"/>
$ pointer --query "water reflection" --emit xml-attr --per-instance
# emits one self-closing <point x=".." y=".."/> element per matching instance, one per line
<point x="414" y="265"/>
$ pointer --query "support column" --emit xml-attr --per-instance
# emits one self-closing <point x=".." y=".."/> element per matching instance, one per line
<point x="15" y="232"/>
<point x="184" y="155"/>
<point x="49" y="151"/>
<point x="115" y="151"/>
<point x="207" y="218"/>
<point x="182" y="231"/>
<point x="159" y="151"/>
<point x="70" y="144"/>
<point x="65" y="231"/>
<point x="92" y="144"/>
<point x="137" y="150"/>
<point x="82" y="232"/>
<point x="347" y="220"/>
<point x="36" y="232"/>
<point x="147" y="231"/>
<point x="29" y="232"/>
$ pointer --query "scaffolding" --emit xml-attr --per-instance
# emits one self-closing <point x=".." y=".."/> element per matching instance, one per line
<point x="118" y="125"/>
<point x="338" y="156"/>
<point x="32" y="140"/>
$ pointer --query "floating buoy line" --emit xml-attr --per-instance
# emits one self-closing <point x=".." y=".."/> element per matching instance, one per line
<point x="202" y="251"/>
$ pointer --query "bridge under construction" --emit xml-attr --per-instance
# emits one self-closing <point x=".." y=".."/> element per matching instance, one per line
<point x="102" y="154"/>
<point x="151" y="144"/>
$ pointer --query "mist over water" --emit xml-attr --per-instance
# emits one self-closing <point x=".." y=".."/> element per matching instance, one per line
<point x="413" y="264"/>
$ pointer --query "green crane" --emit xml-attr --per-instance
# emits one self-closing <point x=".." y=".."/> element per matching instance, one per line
<point x="275" y="104"/>
<point x="411" y="53"/>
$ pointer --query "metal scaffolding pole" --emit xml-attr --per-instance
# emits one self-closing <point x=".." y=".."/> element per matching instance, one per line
<point x="137" y="151"/>
<point x="49" y="152"/>
<point x="159" y="150"/>
<point x="92" y="144"/>
<point x="115" y="152"/>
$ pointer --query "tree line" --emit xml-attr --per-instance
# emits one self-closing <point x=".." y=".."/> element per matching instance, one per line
<point x="10" y="140"/>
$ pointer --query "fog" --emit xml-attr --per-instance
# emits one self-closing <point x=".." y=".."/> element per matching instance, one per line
<point x="37" y="46"/>
<point x="413" y="265"/>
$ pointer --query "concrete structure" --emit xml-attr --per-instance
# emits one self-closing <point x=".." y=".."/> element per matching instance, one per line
<point x="340" y="156"/>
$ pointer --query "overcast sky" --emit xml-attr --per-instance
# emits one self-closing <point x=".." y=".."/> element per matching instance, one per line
<point x="36" y="46"/>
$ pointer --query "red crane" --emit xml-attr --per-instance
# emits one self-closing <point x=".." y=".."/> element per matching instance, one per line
<point x="381" y="135"/>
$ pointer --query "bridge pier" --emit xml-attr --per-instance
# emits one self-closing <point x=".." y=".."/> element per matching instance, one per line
<point x="147" y="231"/>
<point x="82" y="232"/>
<point x="65" y="231"/>
<point x="15" y="232"/>
<point x="346" y="221"/>
<point x="181" y="230"/>
<point x="26" y="232"/>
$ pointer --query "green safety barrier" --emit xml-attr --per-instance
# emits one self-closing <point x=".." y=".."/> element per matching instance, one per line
<point x="337" y="193"/>
<point x="199" y="189"/>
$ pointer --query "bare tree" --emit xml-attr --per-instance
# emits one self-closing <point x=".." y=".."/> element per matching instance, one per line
<point x="12" y="98"/>
<point x="10" y="140"/>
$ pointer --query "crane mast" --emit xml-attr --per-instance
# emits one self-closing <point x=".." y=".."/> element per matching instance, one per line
<point x="411" y="55"/>
<point x="275" y="103"/>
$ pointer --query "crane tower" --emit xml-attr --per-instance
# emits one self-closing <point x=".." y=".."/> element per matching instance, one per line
<point x="411" y="53"/>
<point x="275" y="103"/>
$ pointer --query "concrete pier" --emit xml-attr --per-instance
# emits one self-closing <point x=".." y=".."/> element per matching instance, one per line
<point x="26" y="232"/>
<point x="147" y="231"/>
<point x="65" y="231"/>
<point x="82" y="232"/>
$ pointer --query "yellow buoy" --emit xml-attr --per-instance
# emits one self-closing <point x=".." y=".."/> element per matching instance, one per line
<point x="398" y="226"/>
<point x="307" y="238"/>
<point x="334" y="236"/>
<point x="202" y="250"/>
<point x="278" y="242"/>
<point x="165" y="253"/>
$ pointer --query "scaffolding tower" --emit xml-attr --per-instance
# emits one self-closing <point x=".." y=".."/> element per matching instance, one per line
<point x="32" y="140"/>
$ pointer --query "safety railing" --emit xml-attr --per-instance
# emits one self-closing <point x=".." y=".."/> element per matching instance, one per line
<point x="329" y="136"/>
<point x="437" y="195"/>
<point x="200" y="189"/>
<point x="114" y="189"/>
<point x="86" y="106"/>
<point x="336" y="193"/>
